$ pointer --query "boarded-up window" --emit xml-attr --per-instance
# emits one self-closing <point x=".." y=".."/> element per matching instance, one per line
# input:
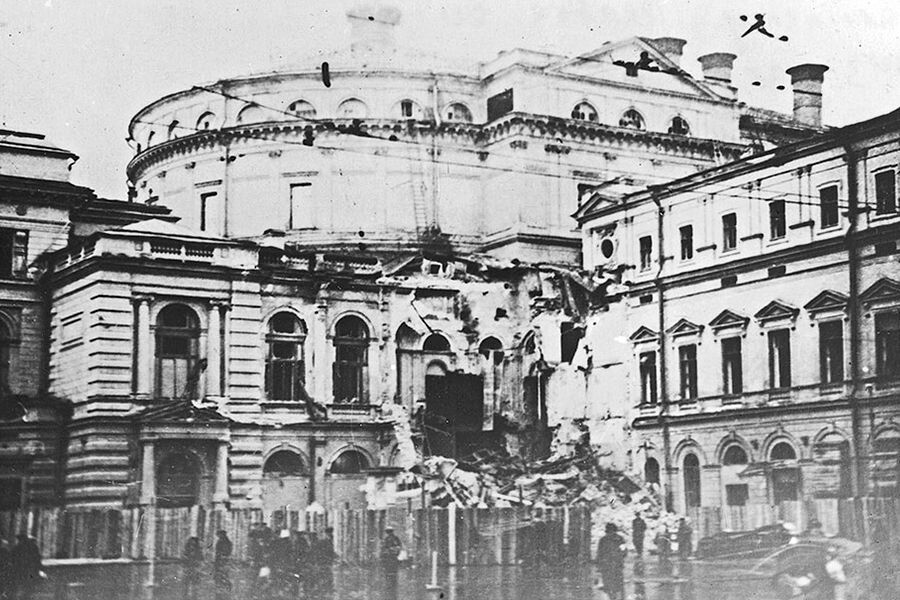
<point x="829" y="476"/>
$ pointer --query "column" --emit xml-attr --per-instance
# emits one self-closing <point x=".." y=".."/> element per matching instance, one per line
<point x="321" y="364"/>
<point x="144" y="347"/>
<point x="148" y="473"/>
<point x="214" y="351"/>
<point x="220" y="496"/>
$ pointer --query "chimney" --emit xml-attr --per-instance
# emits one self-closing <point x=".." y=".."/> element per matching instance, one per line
<point x="372" y="28"/>
<point x="717" y="66"/>
<point x="806" y="79"/>
<point x="670" y="46"/>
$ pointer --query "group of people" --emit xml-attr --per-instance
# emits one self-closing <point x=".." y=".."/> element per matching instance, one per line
<point x="21" y="568"/>
<point x="285" y="564"/>
<point x="612" y="549"/>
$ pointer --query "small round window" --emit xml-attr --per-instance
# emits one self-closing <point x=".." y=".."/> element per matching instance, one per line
<point x="607" y="248"/>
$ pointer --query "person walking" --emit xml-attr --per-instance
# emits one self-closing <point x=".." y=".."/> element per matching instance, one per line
<point x="191" y="562"/>
<point x="324" y="556"/>
<point x="664" y="551"/>
<point x="638" y="531"/>
<point x="391" y="546"/>
<point x="684" y="537"/>
<point x="282" y="565"/>
<point x="611" y="561"/>
<point x="26" y="567"/>
<point x="221" y="574"/>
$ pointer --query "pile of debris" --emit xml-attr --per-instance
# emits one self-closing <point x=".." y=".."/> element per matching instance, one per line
<point x="497" y="479"/>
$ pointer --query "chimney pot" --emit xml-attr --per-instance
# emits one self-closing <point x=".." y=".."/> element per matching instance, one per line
<point x="672" y="47"/>
<point x="717" y="66"/>
<point x="806" y="80"/>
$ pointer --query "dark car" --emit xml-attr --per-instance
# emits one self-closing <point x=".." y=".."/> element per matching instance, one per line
<point x="739" y="544"/>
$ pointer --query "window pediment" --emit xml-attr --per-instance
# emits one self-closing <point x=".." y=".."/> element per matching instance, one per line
<point x="776" y="310"/>
<point x="644" y="334"/>
<point x="684" y="328"/>
<point x="728" y="320"/>
<point x="827" y="301"/>
<point x="884" y="290"/>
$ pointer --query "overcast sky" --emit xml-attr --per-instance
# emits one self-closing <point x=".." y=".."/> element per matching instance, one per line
<point x="77" y="70"/>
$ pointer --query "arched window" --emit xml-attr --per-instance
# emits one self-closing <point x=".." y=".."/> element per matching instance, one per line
<point x="782" y="451"/>
<point x="285" y="364"/>
<point x="284" y="463"/>
<point x="349" y="462"/>
<point x="651" y="471"/>
<point x="691" y="481"/>
<point x="458" y="112"/>
<point x="409" y="109"/>
<point x="436" y="388"/>
<point x="734" y="455"/>
<point x="352" y="109"/>
<point x="351" y="357"/>
<point x="302" y="109"/>
<point x="151" y="138"/>
<point x="632" y="119"/>
<point x="584" y="112"/>
<point x="491" y="348"/>
<point x="205" y="121"/>
<point x="886" y="463"/>
<point x="177" y="352"/>
<point x="436" y="343"/>
<point x="679" y="126"/>
<point x="174" y="128"/>
<point x="177" y="480"/>
<point x="251" y="113"/>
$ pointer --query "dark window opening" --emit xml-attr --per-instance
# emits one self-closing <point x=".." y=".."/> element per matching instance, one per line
<point x="284" y="463"/>
<point x="887" y="344"/>
<point x="687" y="362"/>
<point x="729" y="232"/>
<point x="737" y="494"/>
<point x="406" y="108"/>
<point x="436" y="343"/>
<point x="492" y="349"/>
<point x="734" y="455"/>
<point x="205" y="204"/>
<point x="691" y="481"/>
<point x="178" y="481"/>
<point x="177" y="352"/>
<point x="13" y="253"/>
<point x="831" y="351"/>
<point x="569" y="336"/>
<point x="687" y="242"/>
<point x="648" y="377"/>
<point x="350" y="462"/>
<point x="885" y="192"/>
<point x="777" y="271"/>
<point x="645" y="246"/>
<point x="732" y="366"/>
<point x="651" y="471"/>
<point x="777" y="222"/>
<point x="285" y="364"/>
<point x="728" y="281"/>
<point x="679" y="126"/>
<point x="499" y="104"/>
<point x="828" y="206"/>
<point x="10" y="493"/>
<point x="780" y="358"/>
<point x="351" y="347"/>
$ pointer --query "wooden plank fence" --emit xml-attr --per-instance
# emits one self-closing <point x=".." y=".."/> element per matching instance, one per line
<point x="486" y="536"/>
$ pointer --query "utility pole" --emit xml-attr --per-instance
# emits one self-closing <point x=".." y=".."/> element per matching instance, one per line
<point x="663" y="371"/>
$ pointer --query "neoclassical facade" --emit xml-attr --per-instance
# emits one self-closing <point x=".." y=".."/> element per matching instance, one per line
<point x="754" y="323"/>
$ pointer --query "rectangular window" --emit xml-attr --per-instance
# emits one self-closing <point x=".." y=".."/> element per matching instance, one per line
<point x="887" y="344"/>
<point x="500" y="104"/>
<point x="687" y="242"/>
<point x="777" y="225"/>
<point x="737" y="494"/>
<point x="729" y="232"/>
<point x="732" y="366"/>
<point x="828" y="206"/>
<point x="646" y="251"/>
<point x="207" y="210"/>
<point x="406" y="108"/>
<point x="299" y="216"/>
<point x="13" y="253"/>
<point x="780" y="358"/>
<point x="687" y="366"/>
<point x="648" y="377"/>
<point x="831" y="351"/>
<point x="885" y="192"/>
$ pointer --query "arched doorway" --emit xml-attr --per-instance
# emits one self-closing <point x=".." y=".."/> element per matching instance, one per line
<point x="691" y="467"/>
<point x="785" y="473"/>
<point x="178" y="480"/>
<point x="285" y="481"/>
<point x="734" y="462"/>
<point x="346" y="475"/>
